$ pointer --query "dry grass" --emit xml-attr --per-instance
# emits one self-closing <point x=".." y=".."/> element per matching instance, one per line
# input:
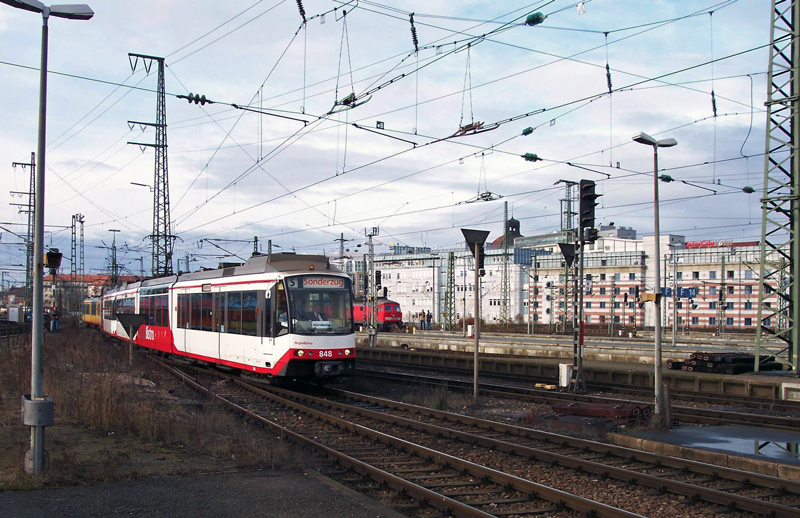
<point x="117" y="421"/>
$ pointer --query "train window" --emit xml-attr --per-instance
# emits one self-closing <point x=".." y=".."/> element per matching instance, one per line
<point x="162" y="310"/>
<point x="281" y="309"/>
<point x="201" y="312"/>
<point x="250" y="313"/>
<point x="234" y="311"/>
<point x="266" y="324"/>
<point x="183" y="311"/>
<point x="145" y="310"/>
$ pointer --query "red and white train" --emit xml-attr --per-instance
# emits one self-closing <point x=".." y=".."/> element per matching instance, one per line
<point x="282" y="316"/>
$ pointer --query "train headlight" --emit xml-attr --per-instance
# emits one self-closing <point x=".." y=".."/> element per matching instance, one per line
<point x="300" y="352"/>
<point x="348" y="352"/>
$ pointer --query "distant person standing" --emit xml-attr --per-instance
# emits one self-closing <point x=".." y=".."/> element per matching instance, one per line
<point x="428" y="319"/>
<point x="422" y="320"/>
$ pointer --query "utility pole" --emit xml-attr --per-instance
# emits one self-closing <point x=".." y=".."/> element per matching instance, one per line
<point x="341" y="241"/>
<point x="506" y="288"/>
<point x="675" y="298"/>
<point x="721" y="302"/>
<point x="114" y="275"/>
<point x="613" y="305"/>
<point x="162" y="239"/>
<point x="255" y="245"/>
<point x="450" y="291"/>
<point x="30" y="209"/>
<point x="373" y="324"/>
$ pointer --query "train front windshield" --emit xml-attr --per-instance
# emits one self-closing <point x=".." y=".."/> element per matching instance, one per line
<point x="320" y="305"/>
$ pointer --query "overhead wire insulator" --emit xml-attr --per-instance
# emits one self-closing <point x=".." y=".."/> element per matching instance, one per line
<point x="608" y="77"/>
<point x="196" y="98"/>
<point x="531" y="157"/>
<point x="534" y="19"/>
<point x="302" y="11"/>
<point x="414" y="33"/>
<point x="713" y="103"/>
<point x="527" y="131"/>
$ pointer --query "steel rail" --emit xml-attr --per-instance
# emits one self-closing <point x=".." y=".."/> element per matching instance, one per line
<point x="731" y="501"/>
<point x="447" y="505"/>
<point x="681" y="413"/>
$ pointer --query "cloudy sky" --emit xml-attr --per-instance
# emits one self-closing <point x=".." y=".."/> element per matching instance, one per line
<point x="236" y="174"/>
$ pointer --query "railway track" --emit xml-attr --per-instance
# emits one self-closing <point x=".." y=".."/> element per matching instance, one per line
<point x="466" y="466"/>
<point x="762" y="413"/>
<point x="415" y="479"/>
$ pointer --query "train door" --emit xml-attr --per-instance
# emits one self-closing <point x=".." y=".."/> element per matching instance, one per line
<point x="218" y="314"/>
<point x="181" y="318"/>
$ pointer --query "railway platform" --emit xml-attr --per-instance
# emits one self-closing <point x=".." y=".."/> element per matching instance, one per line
<point x="760" y="450"/>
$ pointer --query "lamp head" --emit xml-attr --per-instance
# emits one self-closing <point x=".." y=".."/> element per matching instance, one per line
<point x="71" y="11"/>
<point x="27" y="5"/>
<point x="644" y="138"/>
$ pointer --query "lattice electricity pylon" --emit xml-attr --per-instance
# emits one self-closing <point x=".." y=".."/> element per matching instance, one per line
<point x="450" y="292"/>
<point x="505" y="291"/>
<point x="780" y="244"/>
<point x="161" y="238"/>
<point x="29" y="208"/>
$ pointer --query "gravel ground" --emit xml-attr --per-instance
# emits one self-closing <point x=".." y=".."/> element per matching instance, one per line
<point x="277" y="494"/>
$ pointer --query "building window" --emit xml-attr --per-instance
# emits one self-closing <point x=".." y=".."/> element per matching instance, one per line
<point x="679" y="275"/>
<point x="616" y="276"/>
<point x="631" y="276"/>
<point x="680" y="320"/>
<point x="748" y="274"/>
<point x="617" y="291"/>
<point x="712" y="305"/>
<point x="602" y="305"/>
<point x="729" y="305"/>
<point x="588" y="319"/>
<point x="712" y="274"/>
<point x="632" y="291"/>
<point x="631" y="320"/>
<point x="616" y="305"/>
<point x="631" y="305"/>
<point x="602" y="291"/>
<point x="695" y="275"/>
<point x="712" y="290"/>
<point x="767" y="322"/>
<point x="730" y="274"/>
<point x="748" y="290"/>
<point x="730" y="290"/>
<point x="602" y="319"/>
<point x="695" y="321"/>
<point x="712" y="321"/>
<point x="588" y="306"/>
<point x="729" y="321"/>
<point x="616" y="319"/>
<point x="748" y="321"/>
<point x="679" y="305"/>
<point x="602" y="276"/>
<point x="748" y="305"/>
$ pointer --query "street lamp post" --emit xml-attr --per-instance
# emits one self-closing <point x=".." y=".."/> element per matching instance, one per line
<point x="37" y="409"/>
<point x="644" y="138"/>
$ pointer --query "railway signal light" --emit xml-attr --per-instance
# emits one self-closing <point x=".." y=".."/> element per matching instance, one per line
<point x="481" y="260"/>
<point x="377" y="279"/>
<point x="587" y="203"/>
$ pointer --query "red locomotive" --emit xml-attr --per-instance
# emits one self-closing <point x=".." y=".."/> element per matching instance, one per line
<point x="388" y="313"/>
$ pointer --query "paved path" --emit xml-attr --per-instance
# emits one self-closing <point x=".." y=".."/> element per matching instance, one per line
<point x="277" y="494"/>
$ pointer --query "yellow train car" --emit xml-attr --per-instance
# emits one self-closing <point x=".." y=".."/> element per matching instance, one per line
<point x="91" y="312"/>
